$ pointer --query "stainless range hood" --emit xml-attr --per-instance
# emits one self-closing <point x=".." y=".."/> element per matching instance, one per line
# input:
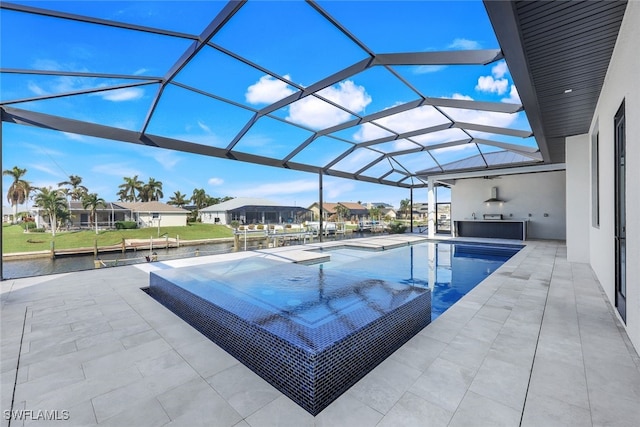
<point x="494" y="196"/>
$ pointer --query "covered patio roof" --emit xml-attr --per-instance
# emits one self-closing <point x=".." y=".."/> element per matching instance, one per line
<point x="217" y="86"/>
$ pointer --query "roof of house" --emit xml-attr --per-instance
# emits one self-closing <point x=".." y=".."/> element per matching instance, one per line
<point x="116" y="206"/>
<point x="353" y="206"/>
<point x="326" y="206"/>
<point x="378" y="204"/>
<point x="241" y="202"/>
<point x="151" y="207"/>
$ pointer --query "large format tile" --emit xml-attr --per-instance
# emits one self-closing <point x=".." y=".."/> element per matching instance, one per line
<point x="413" y="411"/>
<point x="94" y="344"/>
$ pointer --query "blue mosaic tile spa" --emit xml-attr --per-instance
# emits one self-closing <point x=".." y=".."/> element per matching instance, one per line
<point x="309" y="332"/>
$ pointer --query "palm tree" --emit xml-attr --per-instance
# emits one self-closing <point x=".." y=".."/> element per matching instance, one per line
<point x="122" y="195"/>
<point x="77" y="190"/>
<point x="199" y="198"/>
<point x="405" y="207"/>
<point x="178" y="199"/>
<point x="92" y="202"/>
<point x="151" y="191"/>
<point x="130" y="189"/>
<point x="18" y="191"/>
<point x="52" y="201"/>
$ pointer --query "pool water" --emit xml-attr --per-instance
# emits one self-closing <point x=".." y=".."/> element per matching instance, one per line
<point x="450" y="270"/>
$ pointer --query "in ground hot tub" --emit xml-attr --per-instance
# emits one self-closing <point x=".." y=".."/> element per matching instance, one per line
<point x="311" y="333"/>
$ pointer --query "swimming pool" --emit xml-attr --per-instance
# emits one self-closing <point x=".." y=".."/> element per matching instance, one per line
<point x="450" y="270"/>
<point x="314" y="331"/>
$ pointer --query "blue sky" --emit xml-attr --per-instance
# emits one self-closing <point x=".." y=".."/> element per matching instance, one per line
<point x="275" y="35"/>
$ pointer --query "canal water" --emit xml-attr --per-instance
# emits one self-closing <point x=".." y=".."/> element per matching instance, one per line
<point x="13" y="269"/>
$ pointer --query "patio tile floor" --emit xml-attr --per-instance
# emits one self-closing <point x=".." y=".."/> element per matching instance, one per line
<point x="536" y="343"/>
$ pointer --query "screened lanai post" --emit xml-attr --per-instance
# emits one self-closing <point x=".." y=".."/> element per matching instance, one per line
<point x="320" y="204"/>
<point x="411" y="208"/>
<point x="431" y="206"/>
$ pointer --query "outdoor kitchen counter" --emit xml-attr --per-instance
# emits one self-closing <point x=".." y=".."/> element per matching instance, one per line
<point x="494" y="228"/>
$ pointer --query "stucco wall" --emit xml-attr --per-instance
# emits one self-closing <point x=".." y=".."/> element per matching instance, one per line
<point x="578" y="184"/>
<point x="620" y="84"/>
<point x="527" y="196"/>
<point x="210" y="217"/>
<point x="166" y="219"/>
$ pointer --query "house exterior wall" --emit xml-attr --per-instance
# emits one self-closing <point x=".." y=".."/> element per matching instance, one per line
<point x="533" y="193"/>
<point x="620" y="85"/>
<point x="214" y="217"/>
<point x="315" y="210"/>
<point x="578" y="181"/>
<point x="167" y="219"/>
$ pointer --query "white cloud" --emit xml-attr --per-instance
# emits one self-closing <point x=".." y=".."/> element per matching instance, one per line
<point x="140" y="71"/>
<point x="514" y="97"/>
<point x="311" y="111"/>
<point x="41" y="149"/>
<point x="488" y="118"/>
<point x="347" y="94"/>
<point x="215" y="181"/>
<point x="46" y="170"/>
<point x="414" y="119"/>
<point x="317" y="114"/>
<point x="115" y="169"/>
<point x="499" y="70"/>
<point x="119" y="95"/>
<point x="166" y="158"/>
<point x="426" y="69"/>
<point x="462" y="97"/>
<point x="204" y="127"/>
<point x="36" y="89"/>
<point x="268" y="90"/>
<point x="334" y="190"/>
<point x="491" y="85"/>
<point x="47" y="64"/>
<point x="496" y="82"/>
<point x="75" y="136"/>
<point x="464" y="44"/>
<point x="452" y="134"/>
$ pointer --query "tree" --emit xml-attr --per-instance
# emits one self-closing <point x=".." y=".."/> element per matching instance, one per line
<point x="151" y="191"/>
<point x="18" y="191"/>
<point x="77" y="191"/>
<point x="374" y="213"/>
<point x="178" y="199"/>
<point x="129" y="191"/>
<point x="199" y="198"/>
<point x="405" y="207"/>
<point x="52" y="202"/>
<point x="343" y="212"/>
<point x="92" y="202"/>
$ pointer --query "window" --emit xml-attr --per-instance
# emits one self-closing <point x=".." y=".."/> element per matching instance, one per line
<point x="595" y="178"/>
<point x="155" y="215"/>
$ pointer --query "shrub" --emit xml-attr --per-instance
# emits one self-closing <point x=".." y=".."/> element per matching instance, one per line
<point x="397" y="228"/>
<point x="126" y="225"/>
<point x="234" y="224"/>
<point x="28" y="225"/>
<point x="259" y="227"/>
<point x="37" y="230"/>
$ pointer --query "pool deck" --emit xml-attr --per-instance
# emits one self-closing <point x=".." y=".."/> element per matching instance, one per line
<point x="535" y="344"/>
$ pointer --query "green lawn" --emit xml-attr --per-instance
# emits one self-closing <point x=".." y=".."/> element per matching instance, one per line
<point x="14" y="239"/>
